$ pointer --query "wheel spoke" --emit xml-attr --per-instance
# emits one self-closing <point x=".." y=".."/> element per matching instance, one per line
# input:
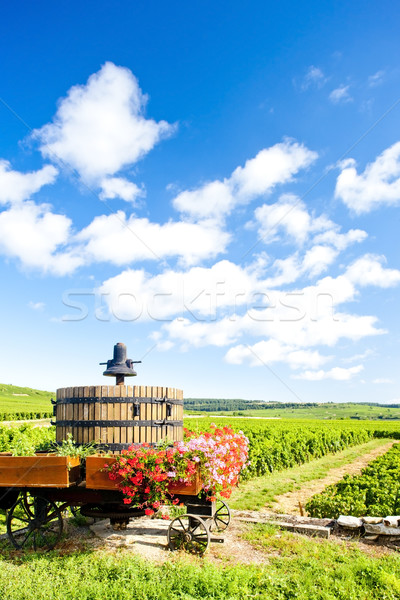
<point x="182" y="525"/>
<point x="26" y="538"/>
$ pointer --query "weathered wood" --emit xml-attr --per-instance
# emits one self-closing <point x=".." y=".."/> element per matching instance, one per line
<point x="44" y="470"/>
<point x="104" y="407"/>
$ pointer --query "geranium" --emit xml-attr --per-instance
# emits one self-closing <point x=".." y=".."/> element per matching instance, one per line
<point x="144" y="473"/>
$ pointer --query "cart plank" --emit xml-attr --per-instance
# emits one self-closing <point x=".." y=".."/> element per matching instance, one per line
<point x="38" y="471"/>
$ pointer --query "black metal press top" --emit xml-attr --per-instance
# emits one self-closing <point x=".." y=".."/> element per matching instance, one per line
<point x="120" y="366"/>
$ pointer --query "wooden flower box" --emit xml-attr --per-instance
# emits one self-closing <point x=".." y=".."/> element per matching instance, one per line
<point x="41" y="470"/>
<point x="97" y="478"/>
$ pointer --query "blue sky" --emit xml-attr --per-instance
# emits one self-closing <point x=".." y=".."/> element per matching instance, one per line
<point x="217" y="185"/>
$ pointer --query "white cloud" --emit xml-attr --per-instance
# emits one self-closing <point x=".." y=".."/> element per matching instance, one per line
<point x="289" y="215"/>
<point x="99" y="128"/>
<point x="36" y="305"/>
<point x="16" y="186"/>
<point x="314" y="77"/>
<point x="270" y="351"/>
<point x="318" y="259"/>
<point x="302" y="318"/>
<point x="259" y="176"/>
<point x="212" y="199"/>
<point x="36" y="236"/>
<point x="376" y="79"/>
<point x="378" y="185"/>
<point x="272" y="166"/>
<point x="199" y="292"/>
<point x="381" y="380"/>
<point x="119" y="187"/>
<point x="340" y="241"/>
<point x="368" y="270"/>
<point x="122" y="240"/>
<point x="314" y="262"/>
<point x="338" y="373"/>
<point x="340" y="95"/>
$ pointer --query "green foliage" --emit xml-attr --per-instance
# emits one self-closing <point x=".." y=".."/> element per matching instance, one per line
<point x="25" y="439"/>
<point x="278" y="445"/>
<point x="24" y="415"/>
<point x="262" y="491"/>
<point x="301" y="569"/>
<point x="375" y="492"/>
<point x="69" y="447"/>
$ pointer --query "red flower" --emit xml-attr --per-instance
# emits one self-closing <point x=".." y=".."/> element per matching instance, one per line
<point x="149" y="511"/>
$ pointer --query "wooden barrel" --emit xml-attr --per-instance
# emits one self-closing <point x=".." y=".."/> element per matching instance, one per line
<point x="116" y="416"/>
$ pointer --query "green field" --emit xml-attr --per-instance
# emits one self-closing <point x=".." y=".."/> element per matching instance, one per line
<point x="345" y="410"/>
<point x="15" y="399"/>
<point x="292" y="566"/>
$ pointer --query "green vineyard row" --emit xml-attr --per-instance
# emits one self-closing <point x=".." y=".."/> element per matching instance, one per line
<point x="375" y="492"/>
<point x="274" y="444"/>
<point x="25" y="415"/>
<point x="281" y="444"/>
<point x="26" y="439"/>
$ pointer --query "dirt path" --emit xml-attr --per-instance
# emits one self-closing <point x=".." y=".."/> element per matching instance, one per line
<point x="288" y="503"/>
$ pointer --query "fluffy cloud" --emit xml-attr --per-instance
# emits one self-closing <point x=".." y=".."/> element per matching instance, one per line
<point x="199" y="292"/>
<point x="259" y="176"/>
<point x="16" y="187"/>
<point x="378" y="185"/>
<point x="340" y="241"/>
<point x="314" y="262"/>
<point x="338" y="373"/>
<point x="340" y="95"/>
<point x="267" y="352"/>
<point x="368" y="270"/>
<point x="290" y="216"/>
<point x="313" y="78"/>
<point x="297" y="321"/>
<point x="272" y="166"/>
<point x="36" y="236"/>
<point x="99" y="128"/>
<point x="119" y="187"/>
<point x="121" y="240"/>
<point x="214" y="199"/>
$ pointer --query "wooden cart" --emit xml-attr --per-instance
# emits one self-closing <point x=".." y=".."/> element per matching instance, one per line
<point x="35" y="490"/>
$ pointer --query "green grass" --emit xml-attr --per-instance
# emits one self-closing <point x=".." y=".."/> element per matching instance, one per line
<point x="261" y="491"/>
<point x="34" y="400"/>
<point x="312" y="568"/>
<point x="296" y="567"/>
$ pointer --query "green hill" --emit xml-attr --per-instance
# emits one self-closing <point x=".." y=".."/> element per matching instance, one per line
<point x="15" y="400"/>
<point x="321" y="410"/>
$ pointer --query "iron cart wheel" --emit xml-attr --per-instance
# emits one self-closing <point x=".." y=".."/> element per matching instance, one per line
<point x="35" y="525"/>
<point x="28" y="500"/>
<point x="222" y="517"/>
<point x="190" y="533"/>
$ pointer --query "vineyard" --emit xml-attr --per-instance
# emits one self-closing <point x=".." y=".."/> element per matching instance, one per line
<point x="274" y="445"/>
<point x="375" y="492"/>
<point x="278" y="445"/>
<point x="292" y="564"/>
